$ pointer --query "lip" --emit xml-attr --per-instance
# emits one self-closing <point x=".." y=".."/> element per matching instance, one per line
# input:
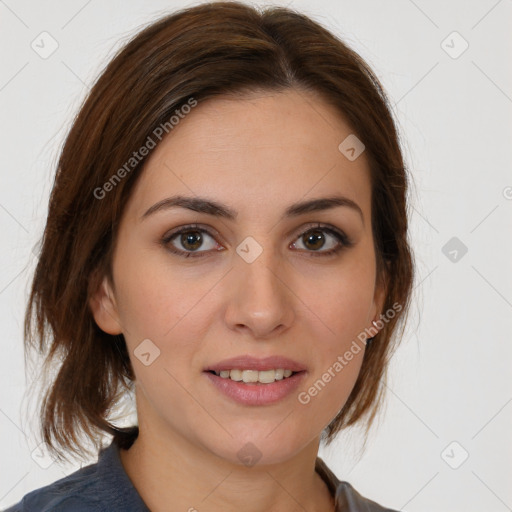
<point x="257" y="394"/>
<point x="247" y="362"/>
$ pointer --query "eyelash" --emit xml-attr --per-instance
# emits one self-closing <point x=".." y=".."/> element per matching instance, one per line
<point x="343" y="239"/>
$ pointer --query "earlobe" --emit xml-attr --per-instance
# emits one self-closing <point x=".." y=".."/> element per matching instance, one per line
<point x="104" y="309"/>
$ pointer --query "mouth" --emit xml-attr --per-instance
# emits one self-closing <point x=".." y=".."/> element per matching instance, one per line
<point x="251" y="380"/>
<point x="249" y="392"/>
<point x="255" y="376"/>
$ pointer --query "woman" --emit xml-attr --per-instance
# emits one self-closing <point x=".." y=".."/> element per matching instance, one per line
<point x="227" y="237"/>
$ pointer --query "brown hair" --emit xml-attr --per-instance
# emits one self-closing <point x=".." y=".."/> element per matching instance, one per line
<point x="205" y="51"/>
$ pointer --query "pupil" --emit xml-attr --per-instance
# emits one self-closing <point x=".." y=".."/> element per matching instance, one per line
<point x="314" y="237"/>
<point x="188" y="240"/>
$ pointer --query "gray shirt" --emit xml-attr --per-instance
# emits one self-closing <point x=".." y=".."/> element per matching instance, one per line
<point x="105" y="487"/>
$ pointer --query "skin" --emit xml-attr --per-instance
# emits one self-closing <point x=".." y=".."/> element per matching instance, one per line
<point x="257" y="155"/>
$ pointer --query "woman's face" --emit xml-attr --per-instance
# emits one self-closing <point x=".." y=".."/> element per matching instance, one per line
<point x="252" y="284"/>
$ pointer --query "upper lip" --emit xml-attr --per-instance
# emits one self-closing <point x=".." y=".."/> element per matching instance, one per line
<point x="255" y="363"/>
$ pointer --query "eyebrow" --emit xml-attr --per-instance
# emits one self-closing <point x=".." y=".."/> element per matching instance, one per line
<point x="210" y="207"/>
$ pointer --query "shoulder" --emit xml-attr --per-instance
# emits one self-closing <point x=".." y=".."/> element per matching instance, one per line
<point x="42" y="504"/>
<point x="100" y="487"/>
<point x="71" y="493"/>
<point x="346" y="498"/>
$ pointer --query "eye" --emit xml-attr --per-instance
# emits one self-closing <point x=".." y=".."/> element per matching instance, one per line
<point x="190" y="238"/>
<point x="314" y="240"/>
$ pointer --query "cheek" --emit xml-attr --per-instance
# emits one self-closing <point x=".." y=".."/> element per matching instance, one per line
<point x="341" y="298"/>
<point x="155" y="296"/>
<point x="174" y="308"/>
<point x="337" y="362"/>
<point x="159" y="303"/>
<point x="343" y="304"/>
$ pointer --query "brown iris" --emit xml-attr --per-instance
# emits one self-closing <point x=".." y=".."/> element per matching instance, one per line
<point x="191" y="240"/>
<point x="315" y="238"/>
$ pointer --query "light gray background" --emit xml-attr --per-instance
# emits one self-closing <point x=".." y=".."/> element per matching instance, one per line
<point x="450" y="380"/>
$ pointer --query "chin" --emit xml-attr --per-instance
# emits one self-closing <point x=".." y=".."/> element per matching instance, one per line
<point x="256" y="447"/>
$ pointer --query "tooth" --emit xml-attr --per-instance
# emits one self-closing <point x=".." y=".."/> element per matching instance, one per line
<point x="266" y="376"/>
<point x="250" y="375"/>
<point x="236" y="375"/>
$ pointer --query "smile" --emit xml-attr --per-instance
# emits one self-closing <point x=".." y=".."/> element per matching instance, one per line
<point x="252" y="376"/>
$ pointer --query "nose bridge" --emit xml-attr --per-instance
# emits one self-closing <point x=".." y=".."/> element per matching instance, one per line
<point x="261" y="274"/>
<point x="260" y="300"/>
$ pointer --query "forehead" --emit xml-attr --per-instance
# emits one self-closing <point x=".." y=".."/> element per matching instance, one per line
<point x="274" y="147"/>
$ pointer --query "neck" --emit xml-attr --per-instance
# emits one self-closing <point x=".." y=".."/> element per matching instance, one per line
<point x="169" y="469"/>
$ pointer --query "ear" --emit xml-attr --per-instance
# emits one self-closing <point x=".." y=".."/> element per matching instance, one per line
<point x="104" y="308"/>
<point x="380" y="294"/>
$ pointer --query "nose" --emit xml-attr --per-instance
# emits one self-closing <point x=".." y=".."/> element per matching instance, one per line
<point x="260" y="303"/>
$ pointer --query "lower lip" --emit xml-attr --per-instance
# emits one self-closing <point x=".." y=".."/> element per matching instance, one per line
<point x="257" y="394"/>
